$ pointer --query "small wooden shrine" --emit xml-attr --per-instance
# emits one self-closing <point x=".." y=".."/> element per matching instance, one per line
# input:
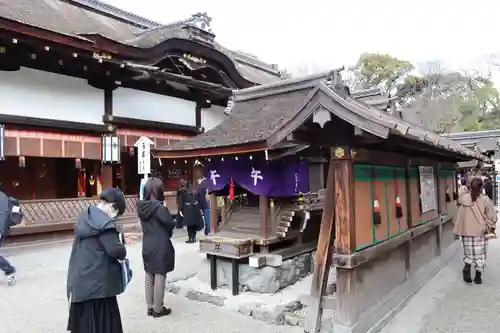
<point x="386" y="205"/>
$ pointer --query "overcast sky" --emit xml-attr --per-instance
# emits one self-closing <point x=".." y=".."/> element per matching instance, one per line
<point x="331" y="33"/>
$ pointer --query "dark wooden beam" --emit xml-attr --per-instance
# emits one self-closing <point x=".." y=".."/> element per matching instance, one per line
<point x="50" y="124"/>
<point x="157" y="75"/>
<point x="197" y="113"/>
<point x="151" y="125"/>
<point x="108" y="102"/>
<point x="323" y="253"/>
<point x="213" y="151"/>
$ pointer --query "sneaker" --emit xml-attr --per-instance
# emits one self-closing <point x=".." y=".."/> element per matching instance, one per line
<point x="11" y="279"/>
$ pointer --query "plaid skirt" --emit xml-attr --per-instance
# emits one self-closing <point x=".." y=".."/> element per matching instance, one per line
<point x="475" y="248"/>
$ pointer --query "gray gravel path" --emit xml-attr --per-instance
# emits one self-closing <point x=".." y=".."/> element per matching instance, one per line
<point x="37" y="304"/>
<point x="447" y="304"/>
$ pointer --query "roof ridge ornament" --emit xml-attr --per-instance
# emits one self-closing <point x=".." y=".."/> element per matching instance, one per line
<point x="199" y="20"/>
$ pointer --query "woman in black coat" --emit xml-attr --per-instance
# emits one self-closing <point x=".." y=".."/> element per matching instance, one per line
<point x="191" y="212"/>
<point x="157" y="250"/>
<point x="94" y="274"/>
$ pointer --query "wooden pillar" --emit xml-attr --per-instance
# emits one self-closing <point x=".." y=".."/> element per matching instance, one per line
<point x="273" y="219"/>
<point x="197" y="113"/>
<point x="339" y="205"/>
<point x="409" y="217"/>
<point x="264" y="215"/>
<point x="439" y="229"/>
<point x="106" y="176"/>
<point x="108" y="102"/>
<point x="213" y="213"/>
<point x="107" y="169"/>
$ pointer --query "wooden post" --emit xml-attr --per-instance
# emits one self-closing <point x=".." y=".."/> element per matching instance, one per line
<point x="264" y="216"/>
<point x="439" y="229"/>
<point x="223" y="212"/>
<point x="106" y="176"/>
<point x="272" y="216"/>
<point x="409" y="217"/>
<point x="339" y="197"/>
<point x="197" y="113"/>
<point x="213" y="213"/>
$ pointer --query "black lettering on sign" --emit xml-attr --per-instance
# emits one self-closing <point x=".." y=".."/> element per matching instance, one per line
<point x="217" y="248"/>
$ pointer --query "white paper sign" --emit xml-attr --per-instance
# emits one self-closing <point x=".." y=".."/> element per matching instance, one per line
<point x="144" y="155"/>
<point x="497" y="165"/>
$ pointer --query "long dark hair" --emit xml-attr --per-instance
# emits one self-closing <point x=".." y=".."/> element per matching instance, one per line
<point x="476" y="186"/>
<point x="154" y="189"/>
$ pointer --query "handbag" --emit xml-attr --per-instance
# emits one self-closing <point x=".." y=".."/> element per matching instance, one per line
<point x="126" y="271"/>
<point x="489" y="226"/>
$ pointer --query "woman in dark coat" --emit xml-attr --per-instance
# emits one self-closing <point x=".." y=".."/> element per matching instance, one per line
<point x="157" y="250"/>
<point x="191" y="212"/>
<point x="94" y="274"/>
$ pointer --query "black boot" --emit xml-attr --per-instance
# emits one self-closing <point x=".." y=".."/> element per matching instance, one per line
<point x="478" y="279"/>
<point x="466" y="274"/>
<point x="164" y="312"/>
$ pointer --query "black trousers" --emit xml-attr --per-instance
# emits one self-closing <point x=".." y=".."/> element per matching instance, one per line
<point x="192" y="231"/>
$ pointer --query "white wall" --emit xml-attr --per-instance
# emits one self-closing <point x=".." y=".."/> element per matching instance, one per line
<point x="148" y="106"/>
<point x="33" y="93"/>
<point x="212" y="117"/>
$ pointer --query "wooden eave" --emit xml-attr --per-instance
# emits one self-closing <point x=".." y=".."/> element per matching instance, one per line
<point x="74" y="41"/>
<point x="52" y="124"/>
<point x="213" y="151"/>
<point x="150" y="125"/>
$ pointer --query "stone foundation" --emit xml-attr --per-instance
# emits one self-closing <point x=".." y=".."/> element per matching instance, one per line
<point x="274" y="295"/>
<point x="261" y="280"/>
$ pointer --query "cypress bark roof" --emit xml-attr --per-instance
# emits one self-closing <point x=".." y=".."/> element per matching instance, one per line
<point x="79" y="18"/>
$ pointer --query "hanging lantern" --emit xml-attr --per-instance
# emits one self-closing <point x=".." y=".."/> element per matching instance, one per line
<point x="22" y="162"/>
<point x="231" y="189"/>
<point x="131" y="151"/>
<point x="110" y="148"/>
<point x="78" y="163"/>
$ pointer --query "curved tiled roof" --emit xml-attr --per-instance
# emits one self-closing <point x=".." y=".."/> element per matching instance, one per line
<point x="85" y="17"/>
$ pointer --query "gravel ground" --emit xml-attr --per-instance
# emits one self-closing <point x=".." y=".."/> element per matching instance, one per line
<point x="447" y="304"/>
<point x="37" y="302"/>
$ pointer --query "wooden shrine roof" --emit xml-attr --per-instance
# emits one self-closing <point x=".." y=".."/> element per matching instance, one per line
<point x="262" y="116"/>
<point x="84" y="18"/>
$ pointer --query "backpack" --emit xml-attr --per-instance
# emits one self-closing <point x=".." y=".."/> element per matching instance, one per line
<point x="16" y="213"/>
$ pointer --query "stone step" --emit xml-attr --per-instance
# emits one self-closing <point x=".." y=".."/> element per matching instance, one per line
<point x="284" y="224"/>
<point x="287" y="213"/>
<point x="280" y="229"/>
<point x="286" y="218"/>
